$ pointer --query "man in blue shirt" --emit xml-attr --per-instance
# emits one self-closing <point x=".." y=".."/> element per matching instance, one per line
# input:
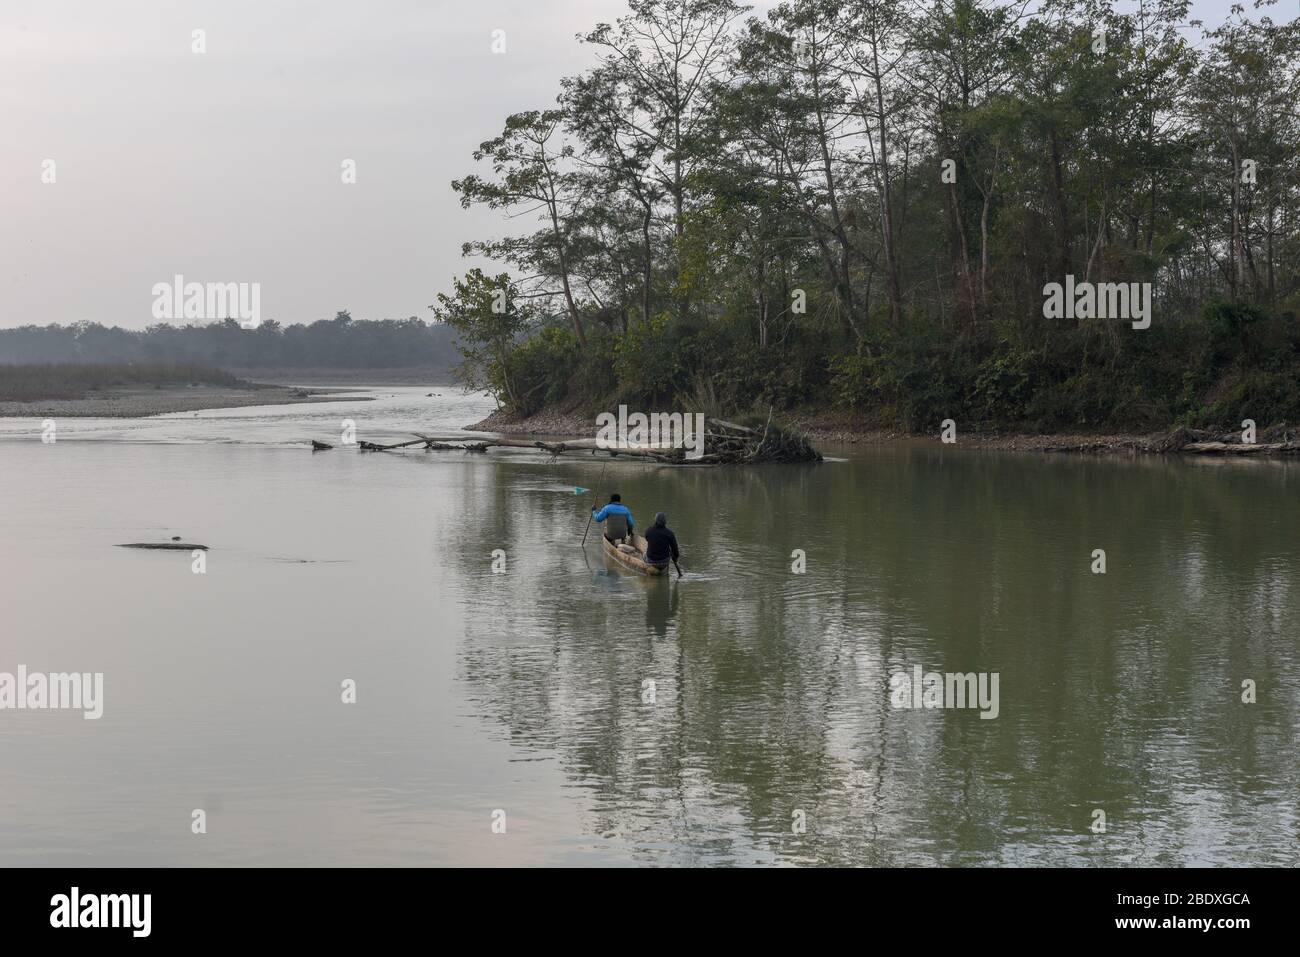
<point x="618" y="520"/>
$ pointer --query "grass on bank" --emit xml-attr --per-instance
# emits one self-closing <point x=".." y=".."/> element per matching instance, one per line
<point x="45" y="381"/>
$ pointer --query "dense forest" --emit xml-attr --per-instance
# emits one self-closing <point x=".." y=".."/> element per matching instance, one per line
<point x="338" y="343"/>
<point x="860" y="204"/>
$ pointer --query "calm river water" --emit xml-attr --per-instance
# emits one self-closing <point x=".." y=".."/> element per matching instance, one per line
<point x="770" y="737"/>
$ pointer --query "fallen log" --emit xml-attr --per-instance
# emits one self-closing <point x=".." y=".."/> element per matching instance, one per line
<point x="320" y="446"/>
<point x="1241" y="448"/>
<point x="723" y="443"/>
<point x="733" y="427"/>
<point x="375" y="447"/>
<point x="1274" y="440"/>
<point x="663" y="451"/>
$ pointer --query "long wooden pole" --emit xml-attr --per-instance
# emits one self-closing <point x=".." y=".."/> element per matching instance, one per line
<point x="595" y="492"/>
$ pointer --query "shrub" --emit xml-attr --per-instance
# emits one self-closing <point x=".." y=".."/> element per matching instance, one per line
<point x="541" y="368"/>
<point x="646" y="361"/>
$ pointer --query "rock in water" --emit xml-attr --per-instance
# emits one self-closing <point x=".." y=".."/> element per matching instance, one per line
<point x="170" y="546"/>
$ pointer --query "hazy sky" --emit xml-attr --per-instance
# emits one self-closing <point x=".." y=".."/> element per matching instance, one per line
<point x="225" y="166"/>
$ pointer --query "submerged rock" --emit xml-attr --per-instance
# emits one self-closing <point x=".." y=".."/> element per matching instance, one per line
<point x="171" y="546"/>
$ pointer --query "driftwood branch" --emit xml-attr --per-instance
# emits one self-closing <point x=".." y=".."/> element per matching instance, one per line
<point x="1274" y="441"/>
<point x="1242" y="448"/>
<point x="724" y="442"/>
<point x="758" y="449"/>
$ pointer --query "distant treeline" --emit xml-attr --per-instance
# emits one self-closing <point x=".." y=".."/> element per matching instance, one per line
<point x="27" y="383"/>
<point x="338" y="343"/>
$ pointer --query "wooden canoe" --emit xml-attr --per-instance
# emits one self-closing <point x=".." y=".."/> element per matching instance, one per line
<point x="634" y="562"/>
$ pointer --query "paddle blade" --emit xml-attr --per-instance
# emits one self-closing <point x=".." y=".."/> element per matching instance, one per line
<point x="579" y="490"/>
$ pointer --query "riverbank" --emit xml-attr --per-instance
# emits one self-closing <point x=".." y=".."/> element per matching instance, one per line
<point x="139" y="403"/>
<point x="841" y="427"/>
<point x="437" y="379"/>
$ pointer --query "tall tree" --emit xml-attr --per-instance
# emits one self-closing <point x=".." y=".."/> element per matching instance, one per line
<point x="666" y="54"/>
<point x="527" y="160"/>
<point x="1245" y="97"/>
<point x="877" y="44"/>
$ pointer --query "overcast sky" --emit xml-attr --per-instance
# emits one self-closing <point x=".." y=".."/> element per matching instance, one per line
<point x="225" y="166"/>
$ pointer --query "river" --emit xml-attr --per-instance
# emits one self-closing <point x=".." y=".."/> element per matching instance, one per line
<point x="558" y="710"/>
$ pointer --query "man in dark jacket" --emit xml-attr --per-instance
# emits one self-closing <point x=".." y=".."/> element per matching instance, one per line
<point x="661" y="543"/>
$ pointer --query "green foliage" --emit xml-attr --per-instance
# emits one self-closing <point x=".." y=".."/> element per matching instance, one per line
<point x="1229" y="324"/>
<point x="647" y="362"/>
<point x="1004" y="383"/>
<point x="710" y="175"/>
<point x="593" y="376"/>
<point x="918" y="375"/>
<point x="541" y="368"/>
<point x="1270" y="398"/>
<point x="1229" y="365"/>
<point x="490" y="329"/>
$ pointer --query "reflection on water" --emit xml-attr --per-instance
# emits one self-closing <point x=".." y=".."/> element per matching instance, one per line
<point x="527" y="690"/>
